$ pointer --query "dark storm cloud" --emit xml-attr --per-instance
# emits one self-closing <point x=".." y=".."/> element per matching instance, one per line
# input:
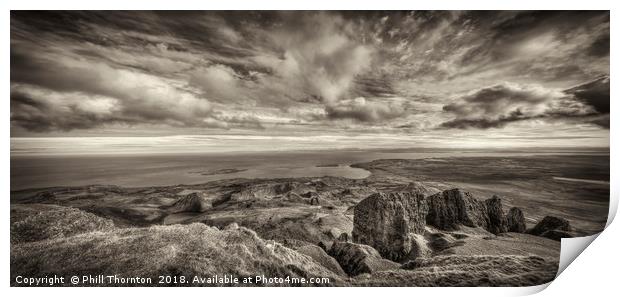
<point x="594" y="93"/>
<point x="261" y="70"/>
<point x="500" y="105"/>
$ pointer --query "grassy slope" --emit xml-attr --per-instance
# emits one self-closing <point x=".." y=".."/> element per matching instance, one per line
<point x="189" y="250"/>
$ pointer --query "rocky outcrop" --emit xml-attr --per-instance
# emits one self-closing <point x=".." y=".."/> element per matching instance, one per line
<point x="356" y="259"/>
<point x="451" y="208"/>
<point x="552" y="227"/>
<point x="497" y="220"/>
<point x="515" y="220"/>
<point x="194" y="202"/>
<point x="387" y="222"/>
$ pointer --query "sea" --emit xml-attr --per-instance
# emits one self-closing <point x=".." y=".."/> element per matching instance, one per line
<point x="165" y="169"/>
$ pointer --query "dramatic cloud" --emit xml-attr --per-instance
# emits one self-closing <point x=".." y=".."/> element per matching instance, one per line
<point x="296" y="72"/>
<point x="594" y="93"/>
<point x="499" y="105"/>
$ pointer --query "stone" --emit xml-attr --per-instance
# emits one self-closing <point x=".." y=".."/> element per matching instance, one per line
<point x="356" y="259"/>
<point x="451" y="208"/>
<point x="550" y="223"/>
<point x="515" y="220"/>
<point x="387" y="222"/>
<point x="497" y="220"/>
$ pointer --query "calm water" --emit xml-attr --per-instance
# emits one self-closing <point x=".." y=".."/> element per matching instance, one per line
<point x="159" y="170"/>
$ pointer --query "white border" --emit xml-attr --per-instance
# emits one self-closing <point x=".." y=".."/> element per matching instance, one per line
<point x="594" y="271"/>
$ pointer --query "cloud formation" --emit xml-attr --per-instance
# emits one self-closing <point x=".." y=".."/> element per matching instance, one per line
<point x="499" y="105"/>
<point x="292" y="72"/>
<point x="362" y="110"/>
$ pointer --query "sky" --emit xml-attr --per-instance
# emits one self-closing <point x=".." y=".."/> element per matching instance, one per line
<point x="423" y="78"/>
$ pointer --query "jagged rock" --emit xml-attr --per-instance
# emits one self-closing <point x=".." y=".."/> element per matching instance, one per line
<point x="194" y="202"/>
<point x="556" y="234"/>
<point x="387" y="222"/>
<point x="319" y="255"/>
<point x="515" y="220"/>
<point x="343" y="237"/>
<point x="497" y="220"/>
<point x="550" y="223"/>
<point x="356" y="259"/>
<point x="450" y="208"/>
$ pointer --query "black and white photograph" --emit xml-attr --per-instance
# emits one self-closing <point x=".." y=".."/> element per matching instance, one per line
<point x="277" y="148"/>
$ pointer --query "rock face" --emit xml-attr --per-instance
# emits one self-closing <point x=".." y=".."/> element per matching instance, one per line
<point x="454" y="207"/>
<point x="497" y="220"/>
<point x="387" y="222"/>
<point x="451" y="208"/>
<point x="356" y="259"/>
<point x="515" y="220"/>
<point x="390" y="222"/>
<point x="552" y="227"/>
<point x="194" y="202"/>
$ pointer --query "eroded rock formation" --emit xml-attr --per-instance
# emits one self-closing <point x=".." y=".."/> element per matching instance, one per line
<point x="553" y="228"/>
<point x="451" y="208"/>
<point x="387" y="222"/>
<point x="515" y="220"/>
<point x="496" y="223"/>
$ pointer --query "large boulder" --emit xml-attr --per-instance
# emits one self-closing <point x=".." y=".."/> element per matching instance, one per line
<point x="515" y="220"/>
<point x="451" y="208"/>
<point x="497" y="220"/>
<point x="548" y="226"/>
<point x="388" y="221"/>
<point x="194" y="202"/>
<point x="356" y="259"/>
